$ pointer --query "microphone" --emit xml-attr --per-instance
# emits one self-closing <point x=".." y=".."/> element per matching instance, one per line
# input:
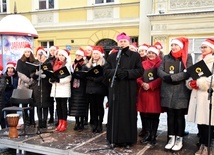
<point x="119" y="53"/>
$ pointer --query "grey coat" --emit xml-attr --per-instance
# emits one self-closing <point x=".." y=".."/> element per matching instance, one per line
<point x="175" y="95"/>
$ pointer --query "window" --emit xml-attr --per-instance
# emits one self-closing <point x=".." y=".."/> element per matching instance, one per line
<point x="47" y="44"/>
<point x="103" y="1"/>
<point x="194" y="45"/>
<point x="46" y="4"/>
<point x="3" y="6"/>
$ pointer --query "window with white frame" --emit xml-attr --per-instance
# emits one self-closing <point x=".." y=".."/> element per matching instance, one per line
<point x="3" y="6"/>
<point x="103" y="1"/>
<point x="47" y="44"/>
<point x="194" y="47"/>
<point x="46" y="4"/>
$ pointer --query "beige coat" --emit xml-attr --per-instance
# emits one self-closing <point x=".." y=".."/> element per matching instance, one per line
<point x="198" y="111"/>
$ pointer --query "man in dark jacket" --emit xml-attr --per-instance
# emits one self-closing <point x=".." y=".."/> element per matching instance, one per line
<point x="122" y="116"/>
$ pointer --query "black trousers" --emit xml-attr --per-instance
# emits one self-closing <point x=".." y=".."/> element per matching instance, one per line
<point x="204" y="134"/>
<point x="61" y="108"/>
<point x="176" y="121"/>
<point x="96" y="107"/>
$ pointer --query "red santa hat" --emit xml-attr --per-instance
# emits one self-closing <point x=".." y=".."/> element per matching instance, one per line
<point x="153" y="49"/>
<point x="183" y="43"/>
<point x="99" y="50"/>
<point x="41" y="50"/>
<point x="158" y="45"/>
<point x="64" y="52"/>
<point x="122" y="36"/>
<point x="209" y="42"/>
<point x="143" y="47"/>
<point x="11" y="64"/>
<point x="81" y="52"/>
<point x="54" y="48"/>
<point x="27" y="47"/>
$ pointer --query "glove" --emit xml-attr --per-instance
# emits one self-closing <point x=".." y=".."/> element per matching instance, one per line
<point x="193" y="84"/>
<point x="39" y="72"/>
<point x="43" y="76"/>
<point x="122" y="74"/>
<point x="167" y="79"/>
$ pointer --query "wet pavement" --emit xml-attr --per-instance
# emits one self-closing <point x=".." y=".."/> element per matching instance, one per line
<point x="86" y="142"/>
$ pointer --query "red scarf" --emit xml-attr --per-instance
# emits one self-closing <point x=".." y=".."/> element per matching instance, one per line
<point x="57" y="65"/>
<point x="181" y="54"/>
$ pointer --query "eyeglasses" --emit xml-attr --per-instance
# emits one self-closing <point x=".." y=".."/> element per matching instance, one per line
<point x="202" y="47"/>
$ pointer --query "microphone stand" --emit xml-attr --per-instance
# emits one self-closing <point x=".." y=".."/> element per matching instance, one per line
<point x="38" y="132"/>
<point x="210" y="91"/>
<point x="112" y="145"/>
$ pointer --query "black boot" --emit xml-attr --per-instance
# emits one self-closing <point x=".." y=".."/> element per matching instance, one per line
<point x="147" y="136"/>
<point x="154" y="128"/>
<point x="40" y="124"/>
<point x="77" y="125"/>
<point x="44" y="123"/>
<point x="32" y="120"/>
<point x="81" y="127"/>
<point x="94" y="126"/>
<point x="99" y="127"/>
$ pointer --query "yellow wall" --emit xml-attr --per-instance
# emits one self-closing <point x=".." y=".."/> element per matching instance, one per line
<point x="76" y="15"/>
<point x="71" y="3"/>
<point x="126" y="13"/>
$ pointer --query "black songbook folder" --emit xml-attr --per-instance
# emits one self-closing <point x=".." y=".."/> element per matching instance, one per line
<point x="33" y="66"/>
<point x="150" y="75"/>
<point x="60" y="73"/>
<point x="172" y="67"/>
<point x="199" y="69"/>
<point x="93" y="72"/>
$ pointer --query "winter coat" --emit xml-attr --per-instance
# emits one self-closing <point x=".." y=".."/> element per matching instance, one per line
<point x="10" y="85"/>
<point x="122" y="109"/>
<point x="41" y="90"/>
<point x="77" y="103"/>
<point x="175" y="95"/>
<point x="148" y="101"/>
<point x="24" y="75"/>
<point x="199" y="104"/>
<point x="62" y="89"/>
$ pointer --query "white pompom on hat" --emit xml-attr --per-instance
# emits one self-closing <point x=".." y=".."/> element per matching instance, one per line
<point x="209" y="42"/>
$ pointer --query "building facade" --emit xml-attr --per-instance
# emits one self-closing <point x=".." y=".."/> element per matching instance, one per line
<point x="73" y="24"/>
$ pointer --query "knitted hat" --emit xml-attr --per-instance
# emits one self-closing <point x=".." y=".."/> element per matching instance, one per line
<point x="153" y="49"/>
<point x="81" y="52"/>
<point x="41" y="50"/>
<point x="27" y="47"/>
<point x="11" y="64"/>
<point x="209" y="42"/>
<point x="64" y="52"/>
<point x="143" y="47"/>
<point x="122" y="36"/>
